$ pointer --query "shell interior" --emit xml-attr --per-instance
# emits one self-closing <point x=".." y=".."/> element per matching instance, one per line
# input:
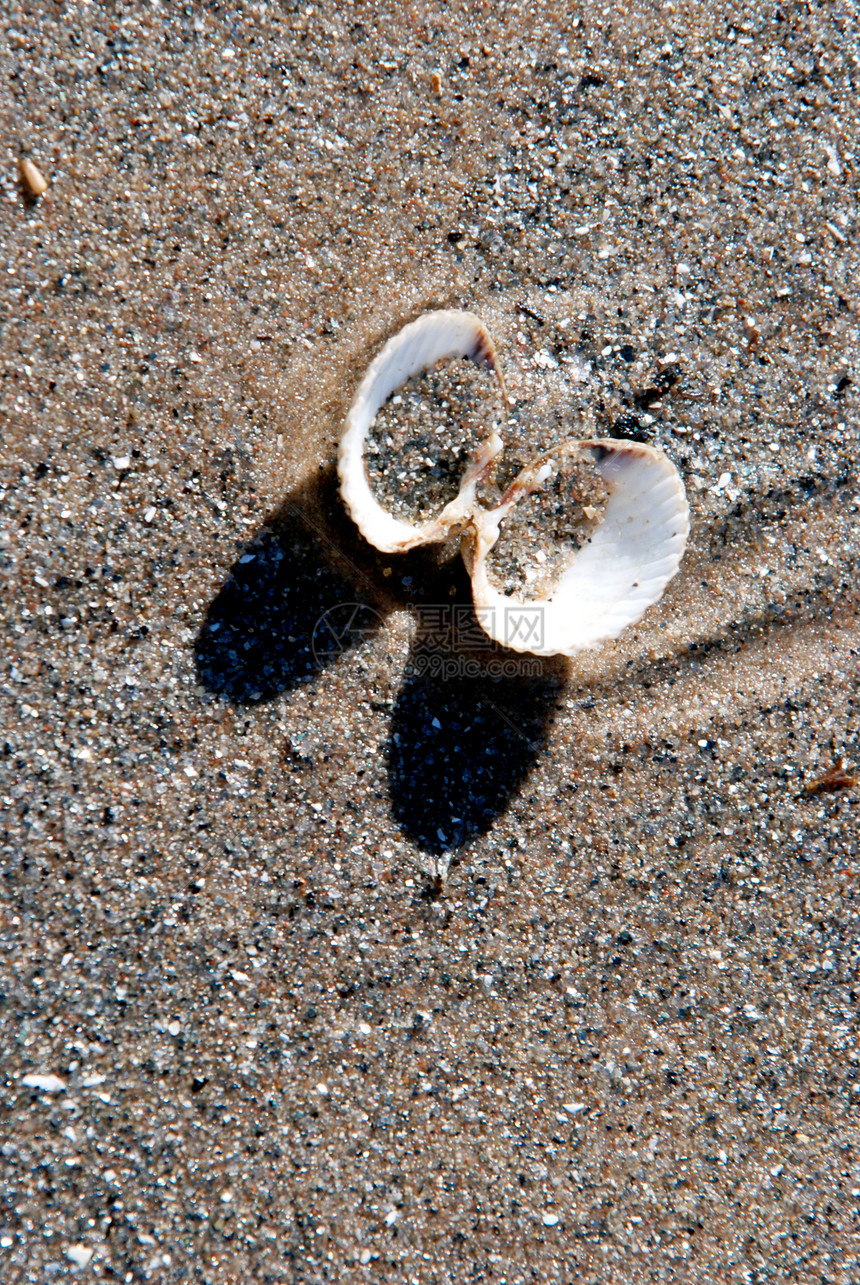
<point x="547" y="525"/>
<point x="423" y="437"/>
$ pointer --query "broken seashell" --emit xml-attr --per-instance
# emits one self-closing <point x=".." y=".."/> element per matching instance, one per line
<point x="601" y="524"/>
<point x="417" y="347"/>
<point x="630" y="551"/>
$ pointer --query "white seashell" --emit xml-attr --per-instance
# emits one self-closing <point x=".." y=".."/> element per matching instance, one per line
<point x="417" y="347"/>
<point x="590" y="593"/>
<point x="631" y="554"/>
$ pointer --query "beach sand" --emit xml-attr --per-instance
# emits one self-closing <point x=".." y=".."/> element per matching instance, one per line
<point x="346" y="959"/>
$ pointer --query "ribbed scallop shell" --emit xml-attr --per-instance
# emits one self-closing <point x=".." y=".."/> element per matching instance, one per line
<point x="631" y="555"/>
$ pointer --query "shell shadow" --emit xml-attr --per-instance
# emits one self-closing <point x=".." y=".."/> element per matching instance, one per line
<point x="470" y="717"/>
<point x="293" y="601"/>
<point x="468" y="725"/>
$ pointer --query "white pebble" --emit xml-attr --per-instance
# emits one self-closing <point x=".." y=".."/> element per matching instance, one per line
<point x="47" y="1083"/>
<point x="833" y="165"/>
<point x="79" y="1254"/>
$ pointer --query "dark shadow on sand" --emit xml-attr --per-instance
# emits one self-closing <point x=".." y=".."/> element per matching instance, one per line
<point x="469" y="721"/>
<point x="306" y="589"/>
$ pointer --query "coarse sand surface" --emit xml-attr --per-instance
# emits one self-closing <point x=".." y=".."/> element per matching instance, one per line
<point x="335" y="945"/>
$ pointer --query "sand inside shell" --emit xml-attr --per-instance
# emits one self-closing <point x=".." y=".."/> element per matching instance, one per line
<point x="544" y="530"/>
<point x="419" y="445"/>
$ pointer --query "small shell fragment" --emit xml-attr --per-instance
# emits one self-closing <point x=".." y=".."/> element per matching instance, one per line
<point x="32" y="178"/>
<point x="599" y="527"/>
